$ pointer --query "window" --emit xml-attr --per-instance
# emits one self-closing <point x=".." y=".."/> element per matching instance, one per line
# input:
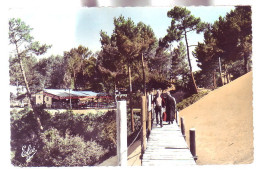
<point x="39" y="97"/>
<point x="47" y="98"/>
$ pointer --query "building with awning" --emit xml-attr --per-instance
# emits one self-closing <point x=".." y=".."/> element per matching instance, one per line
<point x="60" y="98"/>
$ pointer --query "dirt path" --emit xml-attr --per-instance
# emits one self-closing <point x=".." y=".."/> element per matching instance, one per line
<point x="224" y="124"/>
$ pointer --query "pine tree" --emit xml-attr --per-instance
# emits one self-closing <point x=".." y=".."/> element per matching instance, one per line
<point x="182" y="23"/>
<point x="20" y="37"/>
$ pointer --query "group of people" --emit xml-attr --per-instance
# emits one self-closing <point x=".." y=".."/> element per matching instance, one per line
<point x="166" y="101"/>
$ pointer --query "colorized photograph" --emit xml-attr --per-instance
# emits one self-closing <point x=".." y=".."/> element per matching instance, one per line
<point x="130" y="86"/>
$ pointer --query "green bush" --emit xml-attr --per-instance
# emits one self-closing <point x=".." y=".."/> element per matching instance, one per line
<point x="107" y="130"/>
<point x="67" y="151"/>
<point x="136" y="99"/>
<point x="24" y="132"/>
<point x="90" y="127"/>
<point x="137" y="122"/>
<point x="190" y="100"/>
<point x="94" y="132"/>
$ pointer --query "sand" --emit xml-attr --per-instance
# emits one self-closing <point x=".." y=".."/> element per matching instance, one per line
<point x="223" y="120"/>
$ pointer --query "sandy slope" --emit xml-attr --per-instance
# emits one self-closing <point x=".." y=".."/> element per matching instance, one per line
<point x="224" y="124"/>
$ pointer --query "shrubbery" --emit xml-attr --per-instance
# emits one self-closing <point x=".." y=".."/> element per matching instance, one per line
<point x="67" y="151"/>
<point x="190" y="100"/>
<point x="68" y="139"/>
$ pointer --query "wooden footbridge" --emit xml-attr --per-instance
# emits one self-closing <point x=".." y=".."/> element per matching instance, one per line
<point x="166" y="146"/>
<point x="160" y="146"/>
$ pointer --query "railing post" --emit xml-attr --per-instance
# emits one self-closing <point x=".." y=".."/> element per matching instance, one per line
<point x="121" y="122"/>
<point x="177" y="117"/>
<point x="149" y="113"/>
<point x="183" y="128"/>
<point x="143" y="124"/>
<point x="193" y="143"/>
<point x="152" y="111"/>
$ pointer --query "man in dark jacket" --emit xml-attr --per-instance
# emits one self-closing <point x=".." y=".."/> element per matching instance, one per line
<point x="170" y="107"/>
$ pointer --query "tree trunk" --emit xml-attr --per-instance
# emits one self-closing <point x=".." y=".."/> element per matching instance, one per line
<point x="228" y="78"/>
<point x="214" y="80"/>
<point x="70" y="99"/>
<point x="144" y="77"/>
<point x="220" y="71"/>
<point x="74" y="81"/>
<point x="30" y="95"/>
<point x="195" y="90"/>
<point x="115" y="92"/>
<point x="226" y="74"/>
<point x="130" y="99"/>
<point x="245" y="64"/>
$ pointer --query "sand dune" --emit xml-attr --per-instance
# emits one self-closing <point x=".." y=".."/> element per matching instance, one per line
<point x="223" y="120"/>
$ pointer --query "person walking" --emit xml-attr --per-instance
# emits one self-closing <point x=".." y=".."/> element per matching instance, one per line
<point x="158" y="108"/>
<point x="170" y="108"/>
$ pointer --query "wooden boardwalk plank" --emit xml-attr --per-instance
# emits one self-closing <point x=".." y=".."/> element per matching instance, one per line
<point x="166" y="146"/>
<point x="176" y="156"/>
<point x="170" y="138"/>
<point x="168" y="162"/>
<point x="169" y="153"/>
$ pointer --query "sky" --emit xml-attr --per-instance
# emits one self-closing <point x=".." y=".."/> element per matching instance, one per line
<point x="71" y="25"/>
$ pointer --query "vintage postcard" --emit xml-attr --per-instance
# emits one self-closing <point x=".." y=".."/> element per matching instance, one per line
<point x="141" y="83"/>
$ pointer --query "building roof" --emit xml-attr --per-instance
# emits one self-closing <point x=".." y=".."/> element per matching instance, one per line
<point x="66" y="94"/>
